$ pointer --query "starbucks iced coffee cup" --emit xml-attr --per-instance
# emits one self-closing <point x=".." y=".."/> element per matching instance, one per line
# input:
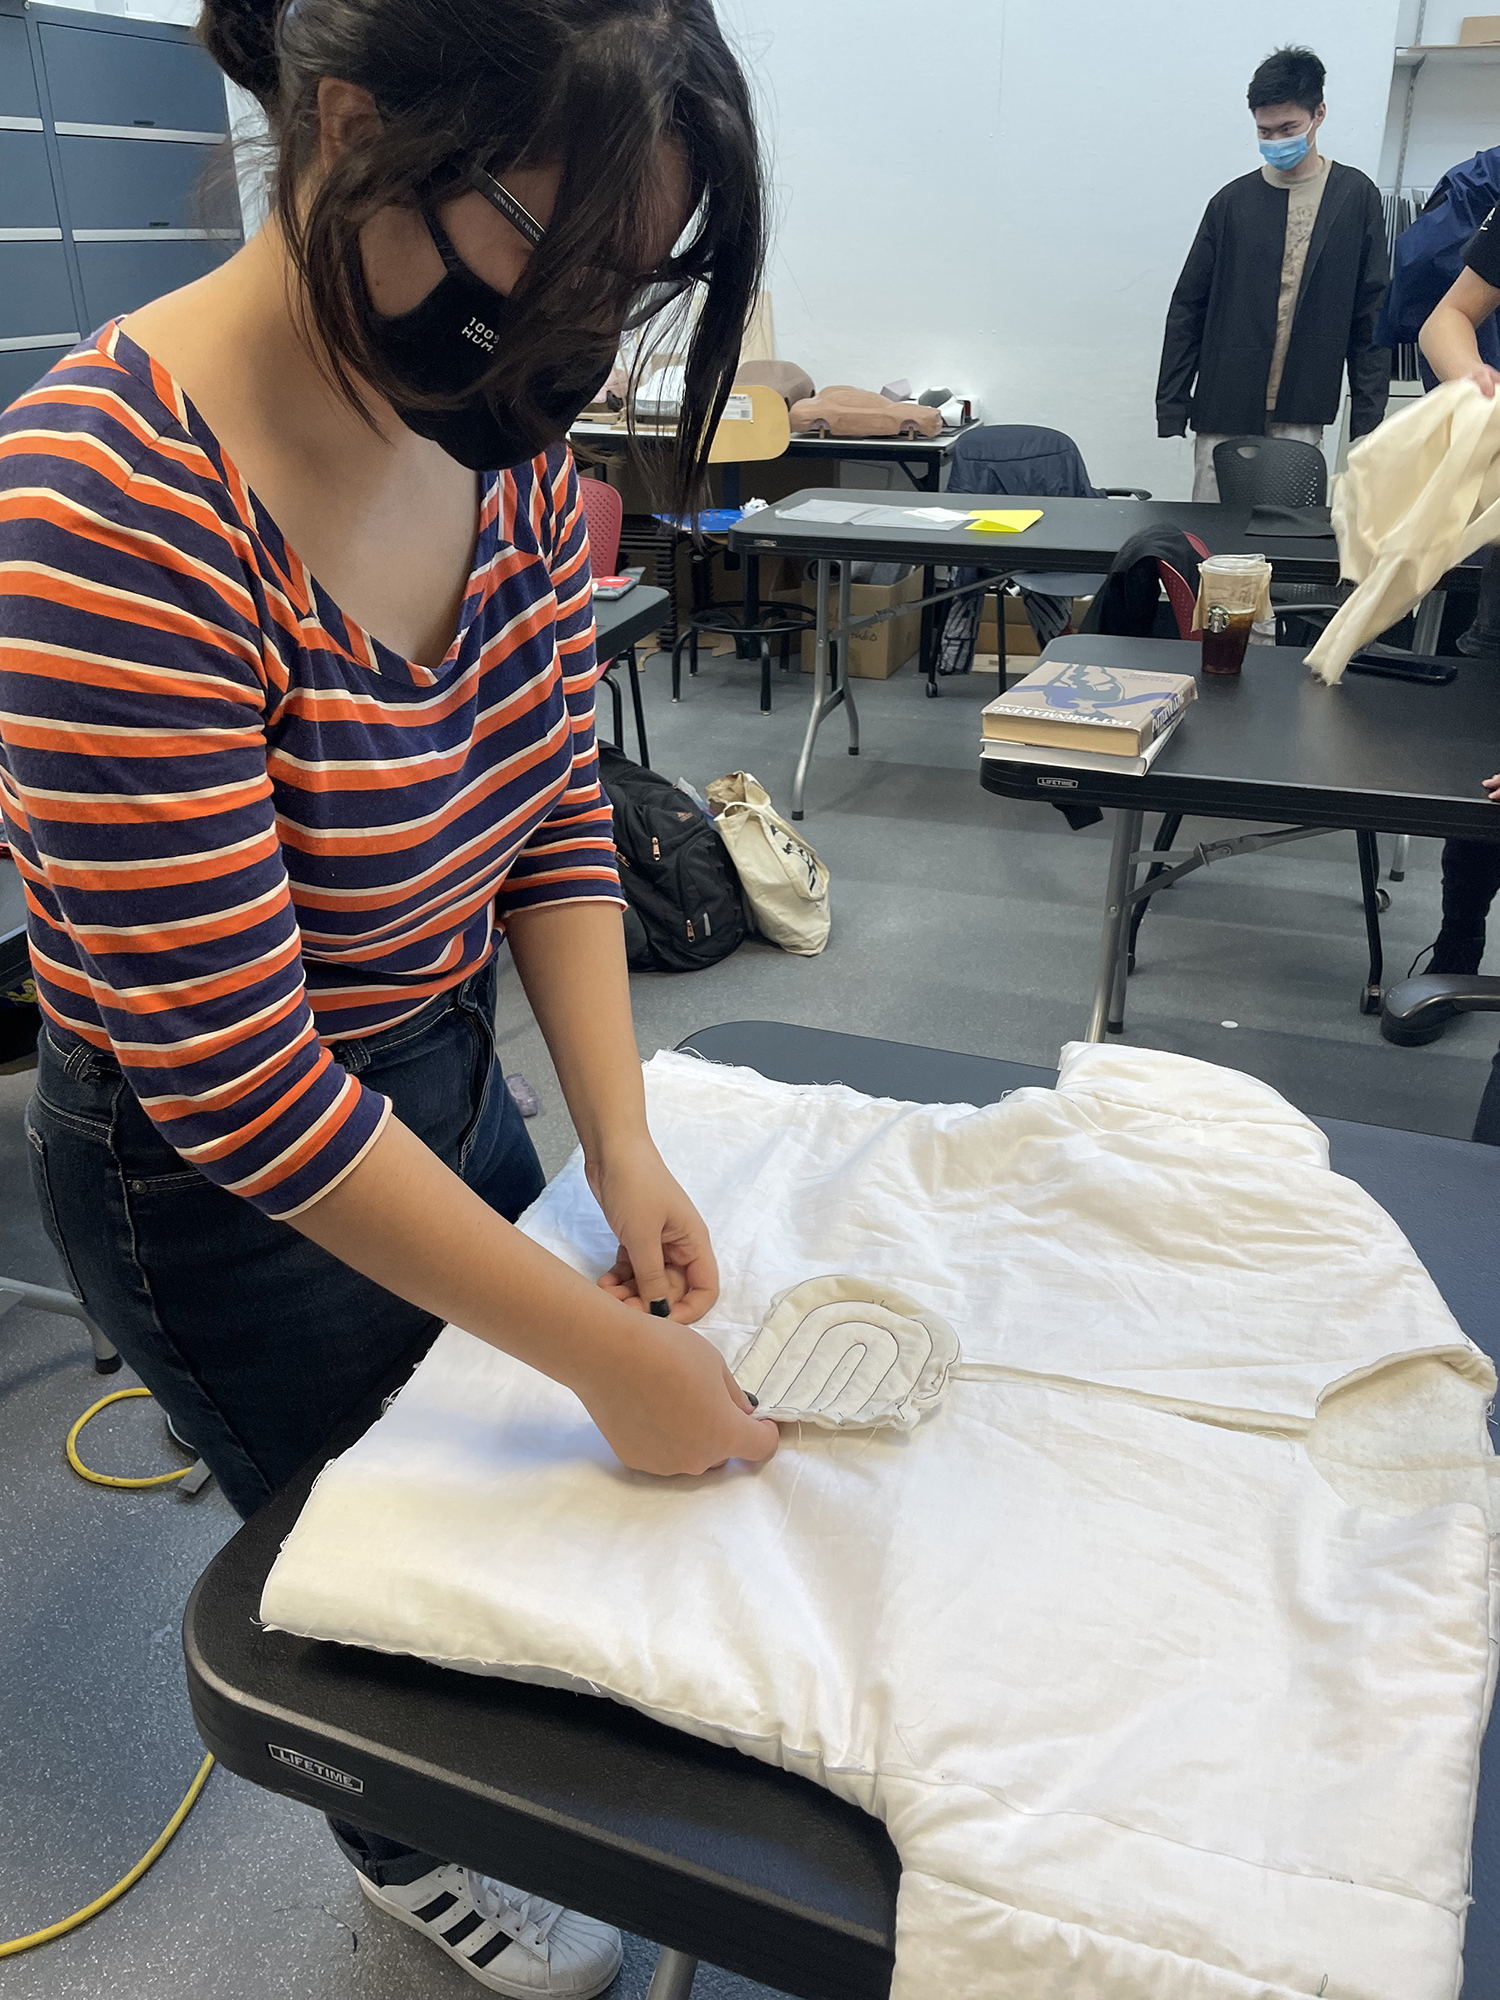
<point x="1233" y="591"/>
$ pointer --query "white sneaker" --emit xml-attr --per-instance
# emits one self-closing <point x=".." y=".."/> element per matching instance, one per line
<point x="509" y="1941"/>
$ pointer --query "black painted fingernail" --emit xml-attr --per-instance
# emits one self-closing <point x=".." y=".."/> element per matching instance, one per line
<point x="662" y="1308"/>
<point x="753" y="1401"/>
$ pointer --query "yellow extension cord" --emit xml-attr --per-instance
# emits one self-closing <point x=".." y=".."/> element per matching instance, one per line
<point x="105" y="1478"/>
<point x="158" y="1847"/>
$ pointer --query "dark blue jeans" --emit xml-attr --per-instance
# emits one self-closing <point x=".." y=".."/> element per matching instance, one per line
<point x="256" y="1342"/>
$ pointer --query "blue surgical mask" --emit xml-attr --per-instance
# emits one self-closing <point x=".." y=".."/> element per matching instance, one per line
<point x="1285" y="153"/>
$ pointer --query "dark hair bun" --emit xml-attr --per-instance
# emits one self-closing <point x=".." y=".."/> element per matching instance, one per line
<point x="240" y="35"/>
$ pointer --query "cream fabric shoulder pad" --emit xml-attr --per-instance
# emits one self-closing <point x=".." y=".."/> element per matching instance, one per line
<point x="847" y="1354"/>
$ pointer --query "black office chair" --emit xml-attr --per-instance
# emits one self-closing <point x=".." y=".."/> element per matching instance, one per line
<point x="1016" y="459"/>
<point x="1270" y="472"/>
<point x="1419" y="1009"/>
<point x="1277" y="472"/>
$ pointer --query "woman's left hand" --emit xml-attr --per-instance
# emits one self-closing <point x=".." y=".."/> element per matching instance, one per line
<point x="664" y="1248"/>
<point x="1492" y="788"/>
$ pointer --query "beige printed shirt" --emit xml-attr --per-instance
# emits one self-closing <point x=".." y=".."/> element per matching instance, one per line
<point x="1302" y="200"/>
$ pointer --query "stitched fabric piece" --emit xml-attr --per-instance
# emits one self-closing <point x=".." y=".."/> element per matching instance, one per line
<point x="842" y="1353"/>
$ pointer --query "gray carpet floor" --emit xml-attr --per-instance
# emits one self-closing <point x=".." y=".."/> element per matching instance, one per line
<point x="959" y="921"/>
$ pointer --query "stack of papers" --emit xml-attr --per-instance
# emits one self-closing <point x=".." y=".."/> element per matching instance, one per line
<point x="852" y="514"/>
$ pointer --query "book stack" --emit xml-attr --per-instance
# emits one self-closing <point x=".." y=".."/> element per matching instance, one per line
<point x="1087" y="717"/>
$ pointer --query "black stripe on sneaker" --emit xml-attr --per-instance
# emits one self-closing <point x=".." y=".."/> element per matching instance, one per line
<point x="430" y="1912"/>
<point x="489" y="1950"/>
<point x="465" y="1927"/>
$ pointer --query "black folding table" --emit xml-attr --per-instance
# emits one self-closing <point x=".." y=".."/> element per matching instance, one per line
<point x="713" y="1855"/>
<point x="620" y="624"/>
<point x="1072" y="535"/>
<point x="1274" y="744"/>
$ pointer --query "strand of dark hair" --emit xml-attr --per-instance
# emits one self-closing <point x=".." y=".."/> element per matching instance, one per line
<point x="596" y="85"/>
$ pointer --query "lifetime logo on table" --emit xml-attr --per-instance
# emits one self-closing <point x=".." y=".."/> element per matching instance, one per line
<point x="312" y="1767"/>
<point x="1058" y="784"/>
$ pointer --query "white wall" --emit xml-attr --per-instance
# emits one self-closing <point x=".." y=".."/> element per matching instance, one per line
<point x="997" y="195"/>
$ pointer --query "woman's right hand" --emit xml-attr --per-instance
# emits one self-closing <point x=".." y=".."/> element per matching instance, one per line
<point x="669" y="1404"/>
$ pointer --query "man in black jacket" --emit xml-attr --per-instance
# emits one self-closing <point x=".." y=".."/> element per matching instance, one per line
<point x="1281" y="289"/>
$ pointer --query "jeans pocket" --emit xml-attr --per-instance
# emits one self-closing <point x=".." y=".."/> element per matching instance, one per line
<point x="482" y="1028"/>
<point x="41" y="1184"/>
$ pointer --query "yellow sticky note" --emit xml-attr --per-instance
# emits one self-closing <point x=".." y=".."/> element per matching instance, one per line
<point x="1003" y="520"/>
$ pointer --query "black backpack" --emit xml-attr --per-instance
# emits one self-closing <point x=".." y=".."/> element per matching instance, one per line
<point x="685" y="909"/>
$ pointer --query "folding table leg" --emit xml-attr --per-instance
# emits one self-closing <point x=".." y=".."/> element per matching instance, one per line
<point x="1400" y="849"/>
<point x="673" y="1977"/>
<point x="1114" y="913"/>
<point x="1116" y="1022"/>
<point x="927" y="650"/>
<point x="844" y="616"/>
<point x="1428" y="623"/>
<point x="635" y="701"/>
<point x="820" y="684"/>
<point x="1369" y="882"/>
<point x="616" y="708"/>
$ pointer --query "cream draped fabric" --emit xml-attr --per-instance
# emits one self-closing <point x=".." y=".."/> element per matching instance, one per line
<point x="1162" y="1644"/>
<point x="1422" y="492"/>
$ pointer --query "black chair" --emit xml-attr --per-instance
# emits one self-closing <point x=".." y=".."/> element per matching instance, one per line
<point x="1419" y="1009"/>
<point x="1270" y="472"/>
<point x="1015" y="459"/>
<point x="750" y="624"/>
<point x="1277" y="472"/>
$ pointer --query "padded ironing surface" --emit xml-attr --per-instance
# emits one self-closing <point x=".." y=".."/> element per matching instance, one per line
<point x="696" y="1847"/>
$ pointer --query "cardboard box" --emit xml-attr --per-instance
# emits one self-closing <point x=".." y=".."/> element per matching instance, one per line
<point x="1479" y="31"/>
<point x="1020" y="640"/>
<point x="875" y="651"/>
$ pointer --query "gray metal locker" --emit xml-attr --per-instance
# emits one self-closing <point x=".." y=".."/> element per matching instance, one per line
<point x="115" y="182"/>
<point x="38" y="317"/>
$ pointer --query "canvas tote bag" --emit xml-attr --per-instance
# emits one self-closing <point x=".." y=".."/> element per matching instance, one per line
<point x="785" y="883"/>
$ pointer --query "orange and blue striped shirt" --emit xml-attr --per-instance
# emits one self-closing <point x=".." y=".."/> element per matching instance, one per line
<point x="245" y="827"/>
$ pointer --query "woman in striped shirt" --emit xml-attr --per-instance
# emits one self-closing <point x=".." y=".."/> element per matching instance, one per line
<point x="297" y="712"/>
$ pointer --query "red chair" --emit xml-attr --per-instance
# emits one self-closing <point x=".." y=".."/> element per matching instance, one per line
<point x="604" y="513"/>
<point x="1181" y="595"/>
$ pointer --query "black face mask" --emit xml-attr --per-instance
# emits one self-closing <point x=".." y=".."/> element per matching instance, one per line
<point x="444" y="344"/>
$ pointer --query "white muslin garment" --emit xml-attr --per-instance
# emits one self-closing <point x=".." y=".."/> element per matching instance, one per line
<point x="1422" y="492"/>
<point x="1152" y="1708"/>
